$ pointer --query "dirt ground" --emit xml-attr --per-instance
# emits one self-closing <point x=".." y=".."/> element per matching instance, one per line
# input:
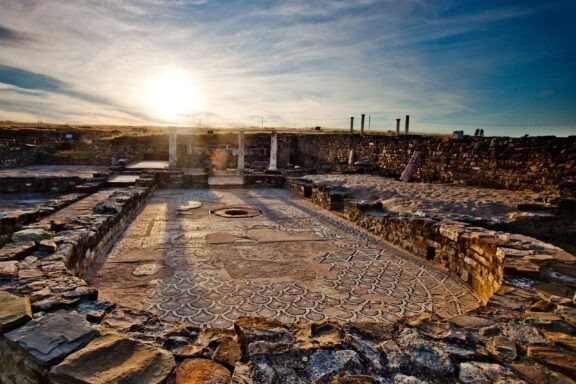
<point x="441" y="199"/>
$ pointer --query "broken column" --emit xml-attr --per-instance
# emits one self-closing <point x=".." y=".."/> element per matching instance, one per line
<point x="397" y="127"/>
<point x="273" y="152"/>
<point x="362" y="125"/>
<point x="407" y="125"/>
<point x="172" y="147"/>
<point x="352" y="125"/>
<point x="241" y="150"/>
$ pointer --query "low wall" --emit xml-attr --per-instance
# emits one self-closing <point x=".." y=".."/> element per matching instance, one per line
<point x="471" y="253"/>
<point x="54" y="330"/>
<point x="39" y="183"/>
<point x="532" y="163"/>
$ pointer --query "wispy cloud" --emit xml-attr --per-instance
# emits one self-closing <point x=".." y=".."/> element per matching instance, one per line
<point x="297" y="63"/>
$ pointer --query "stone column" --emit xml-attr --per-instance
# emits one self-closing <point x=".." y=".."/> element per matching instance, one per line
<point x="407" y="125"/>
<point x="172" y="147"/>
<point x="352" y="125"/>
<point x="273" y="152"/>
<point x="362" y="124"/>
<point x="397" y="127"/>
<point x="240" y="150"/>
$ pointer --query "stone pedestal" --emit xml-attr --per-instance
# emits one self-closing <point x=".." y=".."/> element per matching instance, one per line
<point x="273" y="153"/>
<point x="241" y="151"/>
<point x="172" y="147"/>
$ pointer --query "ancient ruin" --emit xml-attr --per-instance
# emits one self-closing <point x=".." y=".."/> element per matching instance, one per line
<point x="183" y="256"/>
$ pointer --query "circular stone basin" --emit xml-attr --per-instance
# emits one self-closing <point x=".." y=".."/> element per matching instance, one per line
<point x="237" y="212"/>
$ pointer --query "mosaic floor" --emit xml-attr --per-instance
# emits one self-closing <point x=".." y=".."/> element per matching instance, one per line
<point x="292" y="262"/>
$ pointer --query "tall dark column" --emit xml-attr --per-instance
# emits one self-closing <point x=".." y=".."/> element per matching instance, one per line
<point x="362" y="125"/>
<point x="407" y="125"/>
<point x="352" y="125"/>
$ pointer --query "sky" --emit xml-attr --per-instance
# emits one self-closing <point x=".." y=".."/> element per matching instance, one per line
<point x="508" y="67"/>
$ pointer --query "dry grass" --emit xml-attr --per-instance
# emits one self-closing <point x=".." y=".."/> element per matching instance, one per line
<point x="112" y="131"/>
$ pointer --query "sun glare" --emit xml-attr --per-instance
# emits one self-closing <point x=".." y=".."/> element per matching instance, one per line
<point x="171" y="95"/>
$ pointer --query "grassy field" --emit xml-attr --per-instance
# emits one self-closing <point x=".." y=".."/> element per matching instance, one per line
<point x="110" y="131"/>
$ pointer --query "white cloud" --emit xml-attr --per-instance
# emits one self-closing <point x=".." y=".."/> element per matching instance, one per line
<point x="298" y="63"/>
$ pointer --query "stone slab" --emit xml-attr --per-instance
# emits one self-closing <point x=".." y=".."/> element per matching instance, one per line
<point x="202" y="371"/>
<point x="115" y="359"/>
<point x="14" y="251"/>
<point x="32" y="234"/>
<point x="53" y="337"/>
<point x="14" y="311"/>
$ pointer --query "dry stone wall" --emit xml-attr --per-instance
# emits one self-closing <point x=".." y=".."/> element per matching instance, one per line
<point x="53" y="329"/>
<point x="532" y="163"/>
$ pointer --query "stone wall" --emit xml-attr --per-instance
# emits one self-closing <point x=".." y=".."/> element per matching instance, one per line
<point x="471" y="253"/>
<point x="54" y="330"/>
<point x="532" y="163"/>
<point x="50" y="184"/>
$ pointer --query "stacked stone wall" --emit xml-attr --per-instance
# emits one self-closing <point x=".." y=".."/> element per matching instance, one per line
<point x="531" y="163"/>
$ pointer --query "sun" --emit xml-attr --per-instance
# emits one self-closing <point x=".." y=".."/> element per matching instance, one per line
<point x="172" y="95"/>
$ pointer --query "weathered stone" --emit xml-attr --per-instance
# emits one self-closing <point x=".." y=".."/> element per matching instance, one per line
<point x="9" y="268"/>
<point x="535" y="373"/>
<point x="31" y="234"/>
<point x="114" y="359"/>
<point x="242" y="374"/>
<point x="405" y="379"/>
<point x="14" y="311"/>
<point x="51" y="338"/>
<point x="561" y="273"/>
<point x="352" y="379"/>
<point x="547" y="291"/>
<point x="47" y="246"/>
<point x="542" y="306"/>
<point x="486" y="373"/>
<point x="562" y="339"/>
<point x="431" y="327"/>
<point x="471" y="322"/>
<point x="548" y="321"/>
<point x="568" y="313"/>
<point x="368" y="351"/>
<point x="272" y="333"/>
<point x="227" y="353"/>
<point x="16" y="251"/>
<point x="326" y="363"/>
<point x="397" y="360"/>
<point x="201" y="371"/>
<point x="107" y="207"/>
<point x="260" y="347"/>
<point x="424" y="354"/>
<point x="554" y="357"/>
<point x="502" y="348"/>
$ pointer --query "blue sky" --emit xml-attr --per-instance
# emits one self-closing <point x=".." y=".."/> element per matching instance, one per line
<point x="506" y="66"/>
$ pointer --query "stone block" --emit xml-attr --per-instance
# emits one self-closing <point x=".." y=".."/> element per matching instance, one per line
<point x="201" y="371"/>
<point x="53" y="337"/>
<point x="16" y="251"/>
<point x="8" y="268"/>
<point x="31" y="234"/>
<point x="554" y="357"/>
<point x="14" y="311"/>
<point x="115" y="359"/>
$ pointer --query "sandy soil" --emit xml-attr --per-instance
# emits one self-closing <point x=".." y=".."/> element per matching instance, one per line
<point x="440" y="199"/>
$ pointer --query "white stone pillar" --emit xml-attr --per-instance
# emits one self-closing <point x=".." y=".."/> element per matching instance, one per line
<point x="241" y="150"/>
<point x="273" y="152"/>
<point x="172" y="147"/>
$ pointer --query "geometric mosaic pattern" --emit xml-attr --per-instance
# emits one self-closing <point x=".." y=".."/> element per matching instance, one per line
<point x="294" y="262"/>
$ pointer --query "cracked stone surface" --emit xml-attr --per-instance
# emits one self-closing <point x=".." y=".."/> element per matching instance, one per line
<point x="294" y="262"/>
